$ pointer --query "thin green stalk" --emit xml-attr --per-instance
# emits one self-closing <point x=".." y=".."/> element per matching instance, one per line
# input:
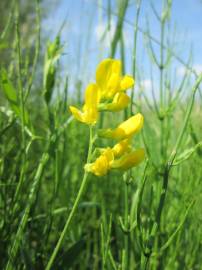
<point x="37" y="48"/>
<point x="8" y="23"/>
<point x="119" y="26"/>
<point x="22" y="109"/>
<point x="16" y="243"/>
<point x="135" y="52"/>
<point x="127" y="235"/>
<point x="161" y="86"/>
<point x="74" y="208"/>
<point x="175" y="151"/>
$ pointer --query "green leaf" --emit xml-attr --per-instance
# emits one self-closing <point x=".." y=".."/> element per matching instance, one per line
<point x="8" y="89"/>
<point x="186" y="154"/>
<point x="70" y="256"/>
<point x="11" y="95"/>
<point x="53" y="53"/>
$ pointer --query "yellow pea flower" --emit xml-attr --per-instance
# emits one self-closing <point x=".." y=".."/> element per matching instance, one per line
<point x="122" y="147"/>
<point x="129" y="160"/>
<point x="119" y="102"/>
<point x="125" y="130"/>
<point x="89" y="114"/>
<point x="102" y="164"/>
<point x="110" y="80"/>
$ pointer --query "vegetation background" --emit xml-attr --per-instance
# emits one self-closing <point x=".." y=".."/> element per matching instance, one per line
<point x="150" y="220"/>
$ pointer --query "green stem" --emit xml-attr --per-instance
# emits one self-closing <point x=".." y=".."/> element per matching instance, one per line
<point x="161" y="68"/>
<point x="74" y="208"/>
<point x="175" y="150"/>
<point x="135" y="54"/>
<point x="16" y="243"/>
<point x="127" y="235"/>
<point x="22" y="109"/>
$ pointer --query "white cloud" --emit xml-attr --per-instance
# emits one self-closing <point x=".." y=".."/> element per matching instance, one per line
<point x="182" y="70"/>
<point x="105" y="34"/>
<point x="198" y="68"/>
<point x="146" y="85"/>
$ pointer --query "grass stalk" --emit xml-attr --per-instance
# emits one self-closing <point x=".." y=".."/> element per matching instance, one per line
<point x="74" y="208"/>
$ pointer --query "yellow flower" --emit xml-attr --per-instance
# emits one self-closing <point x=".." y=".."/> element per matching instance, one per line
<point x="89" y="115"/>
<point x="102" y="164"/>
<point x="119" y="102"/>
<point x="110" y="80"/>
<point x="125" y="129"/>
<point x="122" y="147"/>
<point x="129" y="160"/>
<point x="106" y="161"/>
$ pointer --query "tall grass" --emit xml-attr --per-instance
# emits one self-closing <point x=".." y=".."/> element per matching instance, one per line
<point x="147" y="218"/>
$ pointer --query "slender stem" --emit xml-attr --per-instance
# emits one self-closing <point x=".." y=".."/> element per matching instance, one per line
<point x="74" y="208"/>
<point x="135" y="53"/>
<point x="122" y="12"/>
<point x="175" y="150"/>
<point x="37" y="48"/>
<point x="16" y="242"/>
<point x="161" y="68"/>
<point x="127" y="235"/>
<point x="22" y="109"/>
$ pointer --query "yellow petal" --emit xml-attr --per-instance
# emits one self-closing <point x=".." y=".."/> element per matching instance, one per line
<point x="116" y="66"/>
<point x="91" y="96"/>
<point x="102" y="164"/>
<point x="113" y="82"/>
<point x="126" y="82"/>
<point x="132" y="125"/>
<point x="103" y="72"/>
<point x="125" y="129"/>
<point x="120" y="101"/>
<point x="77" y="113"/>
<point x="122" y="147"/>
<point x="129" y="160"/>
<point x="108" y="77"/>
<point x="90" y="107"/>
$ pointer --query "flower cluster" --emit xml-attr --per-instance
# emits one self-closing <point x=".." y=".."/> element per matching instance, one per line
<point x="108" y="94"/>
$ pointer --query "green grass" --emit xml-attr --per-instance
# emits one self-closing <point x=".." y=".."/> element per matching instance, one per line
<point x="148" y="218"/>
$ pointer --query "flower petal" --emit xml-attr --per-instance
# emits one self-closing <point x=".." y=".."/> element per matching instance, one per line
<point x="91" y="96"/>
<point x="122" y="147"/>
<point x="125" y="129"/>
<point x="103" y="72"/>
<point x="132" y="125"/>
<point x="126" y="82"/>
<point x="108" y="77"/>
<point x="77" y="113"/>
<point x="120" y="101"/>
<point x="102" y="164"/>
<point x="129" y="160"/>
<point x="91" y="104"/>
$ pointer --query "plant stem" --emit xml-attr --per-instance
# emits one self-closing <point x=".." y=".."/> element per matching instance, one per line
<point x="175" y="150"/>
<point x="24" y="220"/>
<point x="135" y="53"/>
<point x="127" y="235"/>
<point x="74" y="208"/>
<point x="22" y="109"/>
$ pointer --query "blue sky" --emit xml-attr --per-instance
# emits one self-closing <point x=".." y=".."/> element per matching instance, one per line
<point x="86" y="22"/>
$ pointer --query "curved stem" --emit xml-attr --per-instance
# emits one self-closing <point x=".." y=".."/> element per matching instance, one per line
<point x="74" y="208"/>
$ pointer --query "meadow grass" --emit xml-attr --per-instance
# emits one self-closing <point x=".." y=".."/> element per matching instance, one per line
<point x="146" y="218"/>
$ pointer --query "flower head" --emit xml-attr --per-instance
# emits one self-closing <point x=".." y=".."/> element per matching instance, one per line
<point x="125" y="130"/>
<point x="106" y="161"/>
<point x="110" y="80"/>
<point x="89" y="115"/>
